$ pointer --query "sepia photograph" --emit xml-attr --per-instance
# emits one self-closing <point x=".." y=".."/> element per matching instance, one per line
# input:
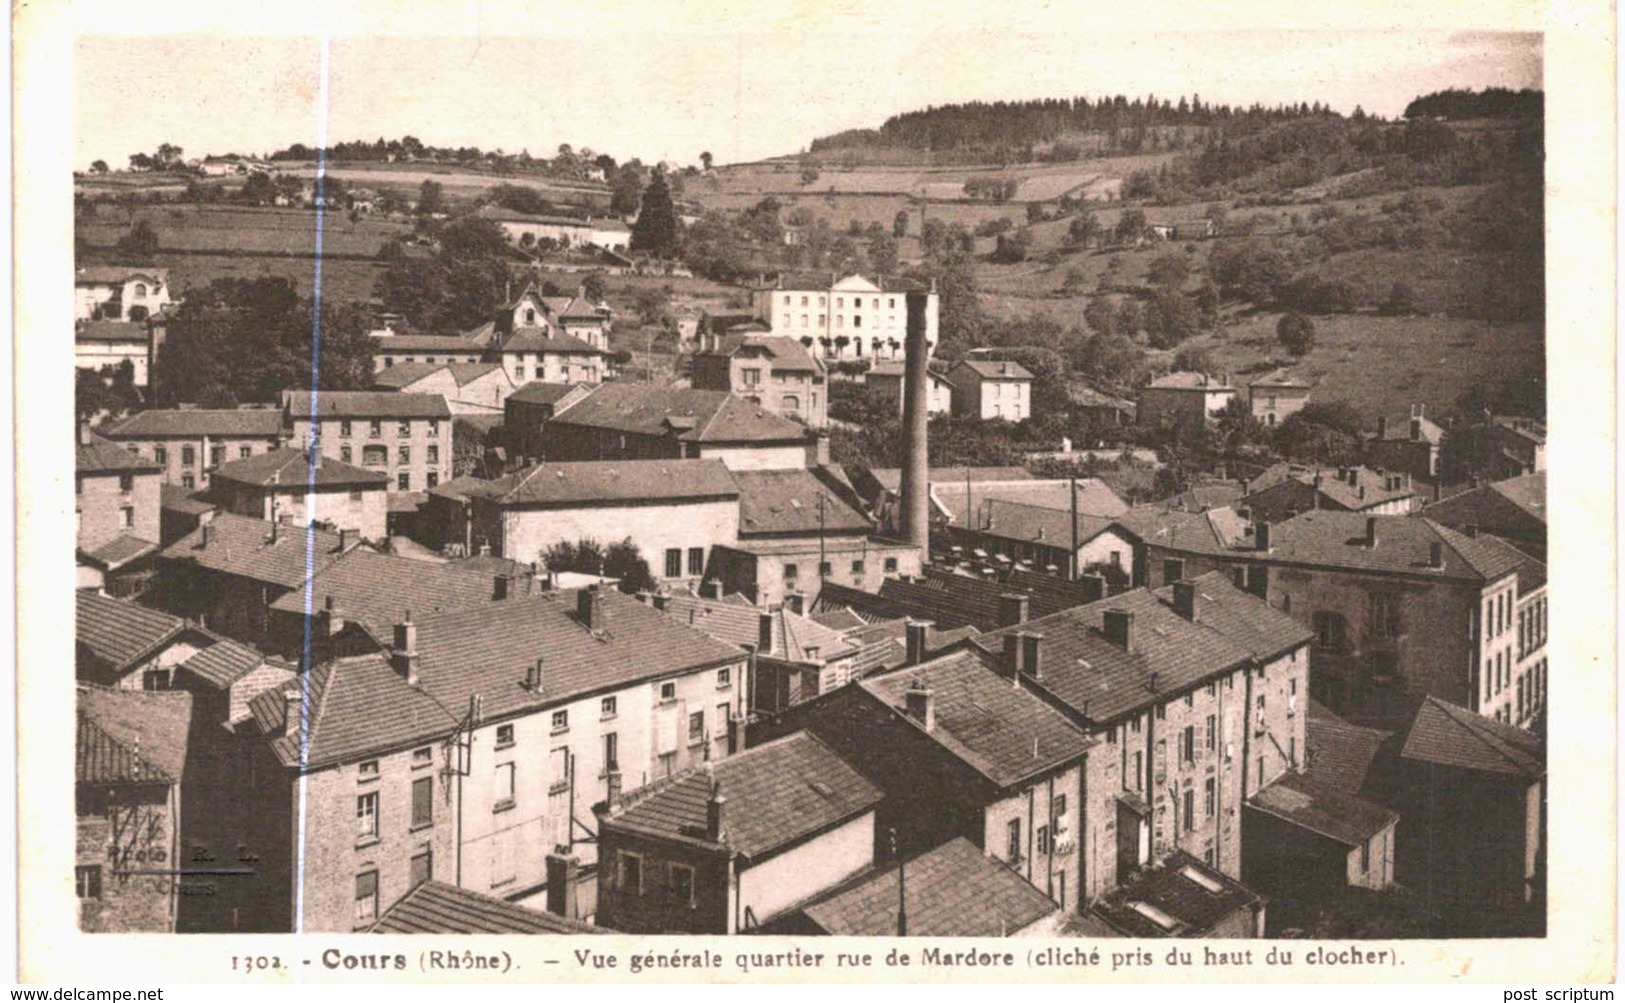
<point x="803" y="477"/>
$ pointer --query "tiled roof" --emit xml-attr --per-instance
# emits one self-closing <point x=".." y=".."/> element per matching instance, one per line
<point x="688" y="414"/>
<point x="1483" y="505"/>
<point x="1200" y="497"/>
<point x="404" y="374"/>
<point x="603" y="482"/>
<point x="489" y="648"/>
<point x="786" y="501"/>
<point x="537" y="392"/>
<point x="376" y="590"/>
<point x="98" y="456"/>
<point x="119" y="551"/>
<point x="1084" y="395"/>
<point x="349" y="708"/>
<point x="1007" y="520"/>
<point x="541" y="339"/>
<point x="788" y="354"/>
<point x="1100" y="680"/>
<point x="1243" y="617"/>
<point x="242" y="546"/>
<point x="1323" y="809"/>
<point x="1338" y="539"/>
<point x="436" y="907"/>
<point x="110" y="330"/>
<point x="1179" y="904"/>
<point x="825" y="281"/>
<point x="1447" y="735"/>
<point x="988" y="369"/>
<point x="1397" y="428"/>
<point x="1095" y="497"/>
<point x="179" y="499"/>
<point x="119" y="632"/>
<point x="1370" y="488"/>
<point x="579" y="307"/>
<point x="117" y="274"/>
<point x="1213" y="531"/>
<point x="891" y="478"/>
<point x="1338" y="754"/>
<point x="1281" y="378"/>
<point x="841" y="619"/>
<point x="501" y="215"/>
<point x="1000" y="730"/>
<point x="131" y="736"/>
<point x="1190" y="381"/>
<point x="397" y="343"/>
<point x="776" y="794"/>
<point x="242" y="423"/>
<point x="952" y="891"/>
<point x="365" y="404"/>
<point x="291" y="469"/>
<point x="223" y="663"/>
<point x="792" y="635"/>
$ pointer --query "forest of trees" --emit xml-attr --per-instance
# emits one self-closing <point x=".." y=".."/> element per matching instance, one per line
<point x="1492" y="102"/>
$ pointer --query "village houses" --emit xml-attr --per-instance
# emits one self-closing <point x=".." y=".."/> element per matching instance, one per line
<point x="116" y="498"/>
<point x="991" y="389"/>
<point x="189" y="443"/>
<point x="295" y="487"/>
<point x="407" y="437"/>
<point x="132" y="293"/>
<point x="1186" y="400"/>
<point x="867" y="314"/>
<point x="777" y="373"/>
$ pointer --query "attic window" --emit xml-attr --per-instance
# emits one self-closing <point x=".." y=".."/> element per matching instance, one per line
<point x="369" y="770"/>
<point x="1155" y="915"/>
<point x="1197" y="877"/>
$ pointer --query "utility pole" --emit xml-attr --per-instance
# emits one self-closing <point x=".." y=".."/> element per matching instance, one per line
<point x="822" y="563"/>
<point x="902" y="904"/>
<point x="1072" y="558"/>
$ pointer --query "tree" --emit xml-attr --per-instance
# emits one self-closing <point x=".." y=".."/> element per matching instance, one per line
<point x="651" y="304"/>
<point x="431" y="198"/>
<point x="1296" y="332"/>
<point x="258" y="190"/>
<point x="655" y="231"/>
<point x="139" y="244"/>
<point x="899" y="224"/>
<point x="626" y="187"/>
<point x="1170" y="318"/>
<point x="593" y="287"/>
<point x="98" y="167"/>
<point x="809" y="175"/>
<point x="622" y="561"/>
<point x="883" y="253"/>
<point x="1013" y="247"/>
<point x="108" y="390"/>
<point x="1084" y="229"/>
<point x="1036" y="212"/>
<point x="1169" y="270"/>
<point x="705" y="160"/>
<point x="1073" y="283"/>
<point x="169" y="155"/>
<point x="1131" y="226"/>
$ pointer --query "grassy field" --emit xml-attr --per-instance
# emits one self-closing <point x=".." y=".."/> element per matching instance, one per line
<point x="245" y="230"/>
<point x="343" y="281"/>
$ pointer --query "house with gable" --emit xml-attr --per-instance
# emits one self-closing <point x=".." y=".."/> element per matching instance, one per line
<point x="480" y="388"/>
<point x="867" y="314"/>
<point x="119" y="292"/>
<point x="777" y="373"/>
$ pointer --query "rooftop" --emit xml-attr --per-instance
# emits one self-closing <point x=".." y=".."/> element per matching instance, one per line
<point x="364" y="404"/>
<point x="989" y="369"/>
<point x="604" y="482"/>
<point x="1324" y="809"/>
<point x="394" y="344"/>
<point x="787" y="501"/>
<point x="246" y="423"/>
<point x="788" y="354"/>
<point x="110" y="331"/>
<point x="437" y="907"/>
<point x="1179" y="896"/>
<point x="119" y="551"/>
<point x="795" y="638"/>
<point x="1525" y="494"/>
<point x="1053" y="527"/>
<point x="679" y="412"/>
<point x="98" y="456"/>
<point x="1397" y="428"/>
<point x="1338" y="754"/>
<point x="291" y="469"/>
<point x="119" y="632"/>
<point x="537" y="392"/>
<point x="1193" y="381"/>
<point x="376" y="590"/>
<point x="251" y="548"/>
<point x="954" y="890"/>
<point x="117" y="274"/>
<point x="223" y="663"/>
<point x="777" y="794"/>
<point x="179" y="499"/>
<point x="1447" y="735"/>
<point x="998" y="729"/>
<point x="347" y="709"/>
<point x="1094" y="497"/>
<point x="131" y="736"/>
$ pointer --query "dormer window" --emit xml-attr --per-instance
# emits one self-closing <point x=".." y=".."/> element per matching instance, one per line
<point x="140" y="290"/>
<point x="530" y="315"/>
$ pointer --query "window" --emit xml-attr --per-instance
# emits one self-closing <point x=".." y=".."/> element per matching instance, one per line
<point x="188" y="481"/>
<point x="804" y="300"/>
<point x="606" y="708"/>
<point x="244" y="452"/>
<point x="160" y="455"/>
<point x="1139" y="771"/>
<point x="790" y="402"/>
<point x="561" y="720"/>
<point x="375" y="429"/>
<point x="1187" y="745"/>
<point x="422" y="802"/>
<point x="434" y="428"/>
<point x="668" y="691"/>
<point x="188" y="456"/>
<point x="422" y="867"/>
<point x="612" y="752"/>
<point x="1042" y="836"/>
<point x="824" y="569"/>
<point x="374" y="456"/>
<point x="366" y="898"/>
<point x="422" y="757"/>
<point x="674" y="562"/>
<point x="724" y="678"/>
<point x="1329" y="631"/>
<point x="1385" y="615"/>
<point x="682" y="883"/>
<point x="790" y="572"/>
<point x="87" y="881"/>
<point x="432" y="478"/>
<point x="1210" y="797"/>
<point x="368" y="770"/>
<point x="1212" y="732"/>
<point x="366" y="816"/>
<point x="403" y="481"/>
<point x="344" y="454"/>
<point x="355" y="495"/>
<point x="345" y="429"/>
<point x="630" y="879"/>
<point x="434" y="454"/>
<point x="1058" y="813"/>
<point x="1012" y="843"/>
<point x="502" y="795"/>
<point x="504" y="735"/>
<point x="696" y="560"/>
<point x="696" y="727"/>
<point x="891" y="565"/>
<point x="403" y="429"/>
<point x="1173" y="570"/>
<point x="1365" y="858"/>
<point x="1190" y="810"/>
<point x="724" y="716"/>
<point x="127" y="516"/>
<point x="403" y="454"/>
<point x="752" y="377"/>
<point x="140" y="290"/>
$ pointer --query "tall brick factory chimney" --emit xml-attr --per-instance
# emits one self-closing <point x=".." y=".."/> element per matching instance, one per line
<point x="916" y="506"/>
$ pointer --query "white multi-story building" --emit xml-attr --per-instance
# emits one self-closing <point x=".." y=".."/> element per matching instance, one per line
<point x="846" y="318"/>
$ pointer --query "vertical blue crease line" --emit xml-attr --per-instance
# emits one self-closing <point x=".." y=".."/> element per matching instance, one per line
<point x="312" y="461"/>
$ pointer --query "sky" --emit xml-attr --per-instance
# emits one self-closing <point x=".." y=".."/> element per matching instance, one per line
<point x="743" y="89"/>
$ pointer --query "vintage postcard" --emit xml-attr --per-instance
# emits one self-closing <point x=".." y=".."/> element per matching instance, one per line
<point x="823" y="493"/>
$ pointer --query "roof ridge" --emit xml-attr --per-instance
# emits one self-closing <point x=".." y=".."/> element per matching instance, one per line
<point x="1473" y="724"/>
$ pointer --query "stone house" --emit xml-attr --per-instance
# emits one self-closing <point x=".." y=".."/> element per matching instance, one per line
<point x="407" y="437"/>
<point x="189" y="443"/>
<point x="291" y="487"/>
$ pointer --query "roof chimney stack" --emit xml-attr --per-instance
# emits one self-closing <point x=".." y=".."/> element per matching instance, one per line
<point x="330" y="620"/>
<point x="914" y="640"/>
<point x="1382" y="428"/>
<point x="1094" y="587"/>
<point x="84" y="432"/>
<point x="293" y="710"/>
<point x="1185" y="599"/>
<point x="1261" y="535"/>
<point x="1013" y="609"/>
<point x="1032" y="650"/>
<point x="1371" y="532"/>
<point x="711" y="589"/>
<point x="716" y="814"/>
<point x="533" y="677"/>
<point x="915" y="490"/>
<point x="499" y="587"/>
<point x="404" y="659"/>
<point x="796" y="603"/>
<point x="764" y="632"/>
<point x="1013" y="655"/>
<point x="920" y="704"/>
<point x="1435" y="555"/>
<point x="590" y="607"/>
<point x="1118" y="626"/>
